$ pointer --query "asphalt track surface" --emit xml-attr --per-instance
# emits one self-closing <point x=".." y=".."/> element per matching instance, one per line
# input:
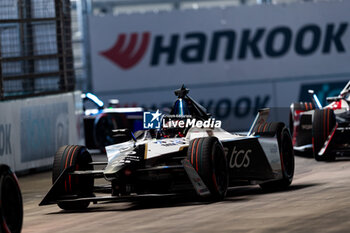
<point x="317" y="201"/>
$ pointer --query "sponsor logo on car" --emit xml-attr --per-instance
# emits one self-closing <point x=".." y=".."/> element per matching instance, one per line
<point x="239" y="158"/>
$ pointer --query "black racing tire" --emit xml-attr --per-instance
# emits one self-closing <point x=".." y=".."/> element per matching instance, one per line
<point x="208" y="158"/>
<point x="103" y="128"/>
<point x="11" y="204"/>
<point x="286" y="152"/>
<point x="268" y="128"/>
<point x="76" y="158"/>
<point x="287" y="160"/>
<point x="291" y="122"/>
<point x="301" y="106"/>
<point x="322" y="125"/>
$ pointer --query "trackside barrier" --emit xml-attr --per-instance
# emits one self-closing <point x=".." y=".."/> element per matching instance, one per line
<point x="32" y="129"/>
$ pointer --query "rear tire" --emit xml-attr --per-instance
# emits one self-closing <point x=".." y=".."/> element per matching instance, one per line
<point x="305" y="137"/>
<point x="11" y="205"/>
<point x="208" y="158"/>
<point x="323" y="124"/>
<point x="286" y="156"/>
<point x="268" y="128"/>
<point x="76" y="158"/>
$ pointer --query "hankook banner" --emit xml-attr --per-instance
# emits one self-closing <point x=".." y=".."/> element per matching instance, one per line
<point x="219" y="45"/>
<point x="240" y="55"/>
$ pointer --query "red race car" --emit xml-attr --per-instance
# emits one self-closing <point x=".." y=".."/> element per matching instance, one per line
<point x="323" y="130"/>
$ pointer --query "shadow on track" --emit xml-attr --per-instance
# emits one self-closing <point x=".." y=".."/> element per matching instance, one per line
<point x="237" y="194"/>
<point x="256" y="190"/>
<point x="152" y="203"/>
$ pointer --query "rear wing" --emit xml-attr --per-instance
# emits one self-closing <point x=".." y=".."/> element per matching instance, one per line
<point x="260" y="118"/>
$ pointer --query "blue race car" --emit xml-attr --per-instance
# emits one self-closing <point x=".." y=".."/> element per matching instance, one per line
<point x="99" y="121"/>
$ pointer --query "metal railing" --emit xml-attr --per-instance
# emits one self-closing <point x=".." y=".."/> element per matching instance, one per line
<point x="36" y="55"/>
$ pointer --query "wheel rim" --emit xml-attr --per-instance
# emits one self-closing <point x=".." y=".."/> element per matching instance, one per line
<point x="11" y="201"/>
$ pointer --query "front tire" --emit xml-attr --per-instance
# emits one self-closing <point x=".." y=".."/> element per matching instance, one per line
<point x="75" y="158"/>
<point x="11" y="205"/>
<point x="208" y="158"/>
<point x="323" y="123"/>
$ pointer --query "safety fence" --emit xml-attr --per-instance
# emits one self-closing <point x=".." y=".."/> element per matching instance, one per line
<point x="36" y="55"/>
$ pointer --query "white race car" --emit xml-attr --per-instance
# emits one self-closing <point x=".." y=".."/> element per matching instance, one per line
<point x="176" y="160"/>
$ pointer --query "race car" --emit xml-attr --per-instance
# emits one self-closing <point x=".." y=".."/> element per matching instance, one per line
<point x="99" y="121"/>
<point x="199" y="158"/>
<point x="323" y="130"/>
<point x="11" y="206"/>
